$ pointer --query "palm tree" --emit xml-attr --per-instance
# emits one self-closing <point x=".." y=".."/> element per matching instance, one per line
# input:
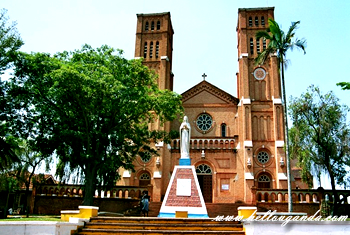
<point x="279" y="44"/>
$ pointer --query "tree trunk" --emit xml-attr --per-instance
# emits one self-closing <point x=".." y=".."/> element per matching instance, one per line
<point x="90" y="184"/>
<point x="27" y="198"/>
<point x="335" y="194"/>
<point x="285" y="118"/>
<point x="25" y="206"/>
<point x="7" y="204"/>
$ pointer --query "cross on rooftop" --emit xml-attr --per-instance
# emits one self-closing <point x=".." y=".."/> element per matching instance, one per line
<point x="204" y="76"/>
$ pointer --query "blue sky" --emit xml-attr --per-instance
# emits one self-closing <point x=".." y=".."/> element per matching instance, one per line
<point x="205" y="35"/>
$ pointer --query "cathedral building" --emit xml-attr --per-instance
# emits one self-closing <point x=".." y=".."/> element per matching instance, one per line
<point x="237" y="143"/>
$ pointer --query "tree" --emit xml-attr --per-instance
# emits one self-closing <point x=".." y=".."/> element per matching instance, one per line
<point x="344" y="85"/>
<point x="92" y="108"/>
<point x="321" y="136"/>
<point x="10" y="42"/>
<point x="280" y="43"/>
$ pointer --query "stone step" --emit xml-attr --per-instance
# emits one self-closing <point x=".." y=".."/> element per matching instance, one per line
<point x="85" y="231"/>
<point x="157" y="220"/>
<point x="165" y="226"/>
<point x="157" y="226"/>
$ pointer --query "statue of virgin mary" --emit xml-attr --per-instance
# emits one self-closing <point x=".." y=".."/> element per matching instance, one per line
<point x="185" y="136"/>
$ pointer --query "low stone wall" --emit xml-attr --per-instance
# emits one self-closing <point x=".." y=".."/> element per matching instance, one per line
<point x="300" y="228"/>
<point x="38" y="227"/>
<point x="49" y="205"/>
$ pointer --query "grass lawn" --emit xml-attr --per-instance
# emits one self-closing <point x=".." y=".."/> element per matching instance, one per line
<point x="32" y="218"/>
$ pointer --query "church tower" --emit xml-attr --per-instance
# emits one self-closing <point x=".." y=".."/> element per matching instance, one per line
<point x="154" y="43"/>
<point x="260" y="109"/>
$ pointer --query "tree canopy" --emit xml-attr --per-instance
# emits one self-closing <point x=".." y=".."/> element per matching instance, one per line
<point x="91" y="107"/>
<point x="320" y="137"/>
<point x="344" y="85"/>
<point x="10" y="42"/>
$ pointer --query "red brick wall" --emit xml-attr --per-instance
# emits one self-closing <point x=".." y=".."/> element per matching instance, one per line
<point x="53" y="205"/>
<point x="309" y="208"/>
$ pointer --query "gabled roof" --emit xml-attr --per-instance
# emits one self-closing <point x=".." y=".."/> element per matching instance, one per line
<point x="210" y="88"/>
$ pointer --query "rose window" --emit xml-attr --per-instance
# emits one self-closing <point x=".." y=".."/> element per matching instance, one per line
<point x="204" y="122"/>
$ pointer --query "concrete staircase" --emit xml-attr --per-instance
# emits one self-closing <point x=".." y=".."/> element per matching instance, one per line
<point x="158" y="226"/>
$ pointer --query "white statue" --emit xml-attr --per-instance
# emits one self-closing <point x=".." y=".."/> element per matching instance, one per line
<point x="185" y="136"/>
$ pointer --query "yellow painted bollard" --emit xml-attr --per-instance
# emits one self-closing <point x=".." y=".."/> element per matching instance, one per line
<point x="88" y="211"/>
<point x="247" y="211"/>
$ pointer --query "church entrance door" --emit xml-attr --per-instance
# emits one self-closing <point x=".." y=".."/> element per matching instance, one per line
<point x="204" y="175"/>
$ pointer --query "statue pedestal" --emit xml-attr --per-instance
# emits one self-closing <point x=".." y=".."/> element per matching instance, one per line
<point x="185" y="162"/>
<point x="183" y="195"/>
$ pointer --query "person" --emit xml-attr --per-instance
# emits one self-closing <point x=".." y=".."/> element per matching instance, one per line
<point x="145" y="204"/>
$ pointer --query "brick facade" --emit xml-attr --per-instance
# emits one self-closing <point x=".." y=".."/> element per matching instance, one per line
<point x="185" y="201"/>
<point x="242" y="146"/>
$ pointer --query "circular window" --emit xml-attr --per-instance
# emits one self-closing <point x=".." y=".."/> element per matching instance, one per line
<point x="145" y="157"/>
<point x="259" y="73"/>
<point x="263" y="157"/>
<point x="204" y="122"/>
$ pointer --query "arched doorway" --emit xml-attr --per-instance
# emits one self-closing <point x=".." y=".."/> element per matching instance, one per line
<point x="144" y="179"/>
<point x="264" y="181"/>
<point x="204" y="175"/>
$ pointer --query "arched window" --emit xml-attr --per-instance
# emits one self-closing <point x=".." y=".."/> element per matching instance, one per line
<point x="151" y="50"/>
<point x="157" y="49"/>
<point x="264" y="181"/>
<point x="264" y="43"/>
<point x="262" y="20"/>
<point x="146" y="26"/>
<point x="223" y="130"/>
<point x="145" y="50"/>
<point x="256" y="21"/>
<point x="258" y="46"/>
<point x="251" y="46"/>
<point x="250" y="21"/>
<point x="203" y="169"/>
<point x="152" y="25"/>
<point x="158" y="25"/>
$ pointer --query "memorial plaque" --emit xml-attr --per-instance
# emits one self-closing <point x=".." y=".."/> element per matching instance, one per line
<point x="183" y="187"/>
